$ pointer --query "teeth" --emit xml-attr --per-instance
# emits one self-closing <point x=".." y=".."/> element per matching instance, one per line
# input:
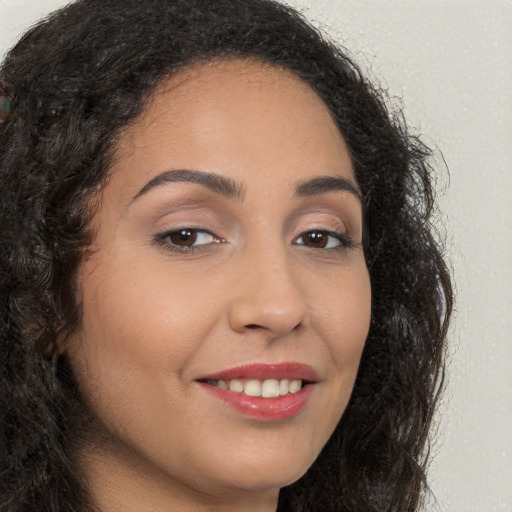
<point x="283" y="387"/>
<point x="222" y="384"/>
<point x="268" y="388"/>
<point x="295" y="385"/>
<point x="252" y="388"/>
<point x="236" y="385"/>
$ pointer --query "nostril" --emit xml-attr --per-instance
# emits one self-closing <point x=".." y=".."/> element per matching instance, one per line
<point x="257" y="326"/>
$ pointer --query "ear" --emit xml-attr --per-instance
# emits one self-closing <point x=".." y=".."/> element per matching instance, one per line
<point x="61" y="343"/>
<point x="52" y="346"/>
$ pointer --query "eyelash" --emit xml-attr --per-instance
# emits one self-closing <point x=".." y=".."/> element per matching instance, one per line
<point x="345" y="241"/>
<point x="163" y="240"/>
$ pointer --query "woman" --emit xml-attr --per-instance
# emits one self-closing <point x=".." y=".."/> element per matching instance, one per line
<point x="220" y="284"/>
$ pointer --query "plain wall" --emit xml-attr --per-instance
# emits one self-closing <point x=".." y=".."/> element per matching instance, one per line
<point x="451" y="63"/>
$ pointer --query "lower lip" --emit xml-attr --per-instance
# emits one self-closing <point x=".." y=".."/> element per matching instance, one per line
<point x="264" y="409"/>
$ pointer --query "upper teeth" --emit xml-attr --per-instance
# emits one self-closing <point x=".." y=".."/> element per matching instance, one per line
<point x="267" y="388"/>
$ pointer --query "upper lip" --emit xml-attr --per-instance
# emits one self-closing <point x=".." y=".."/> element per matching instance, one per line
<point x="292" y="371"/>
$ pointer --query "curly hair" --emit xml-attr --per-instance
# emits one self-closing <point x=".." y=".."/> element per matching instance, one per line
<point x="79" y="77"/>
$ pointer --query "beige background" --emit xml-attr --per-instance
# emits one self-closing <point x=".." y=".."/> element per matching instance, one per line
<point x="451" y="62"/>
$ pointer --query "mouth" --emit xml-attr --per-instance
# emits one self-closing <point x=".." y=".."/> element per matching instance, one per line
<point x="268" y="388"/>
<point x="264" y="392"/>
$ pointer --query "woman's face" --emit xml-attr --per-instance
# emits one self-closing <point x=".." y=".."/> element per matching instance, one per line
<point x="227" y="253"/>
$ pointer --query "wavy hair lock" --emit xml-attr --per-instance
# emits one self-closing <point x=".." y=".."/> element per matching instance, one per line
<point x="82" y="75"/>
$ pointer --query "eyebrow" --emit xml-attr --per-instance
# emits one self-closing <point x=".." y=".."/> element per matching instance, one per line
<point x="222" y="185"/>
<point x="232" y="189"/>
<point x="323" y="184"/>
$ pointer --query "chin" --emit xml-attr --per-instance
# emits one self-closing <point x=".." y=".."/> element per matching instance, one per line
<point x="269" y="473"/>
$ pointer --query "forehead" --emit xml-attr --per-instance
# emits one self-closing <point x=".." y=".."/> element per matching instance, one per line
<point x="245" y="119"/>
<point x="211" y="84"/>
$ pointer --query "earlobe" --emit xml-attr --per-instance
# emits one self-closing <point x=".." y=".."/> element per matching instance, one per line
<point x="47" y="347"/>
<point x="61" y="343"/>
<point x="54" y="347"/>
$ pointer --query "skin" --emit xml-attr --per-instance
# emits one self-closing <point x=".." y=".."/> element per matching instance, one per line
<point x="157" y="318"/>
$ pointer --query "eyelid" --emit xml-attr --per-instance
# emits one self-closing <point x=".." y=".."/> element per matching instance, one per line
<point x="329" y="215"/>
<point x="160" y="239"/>
<point x="346" y="241"/>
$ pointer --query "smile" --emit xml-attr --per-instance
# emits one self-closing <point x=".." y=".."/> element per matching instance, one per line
<point x="268" y="388"/>
<point x="264" y="392"/>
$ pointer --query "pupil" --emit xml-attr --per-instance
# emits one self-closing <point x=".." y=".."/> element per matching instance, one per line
<point x="317" y="239"/>
<point x="184" y="237"/>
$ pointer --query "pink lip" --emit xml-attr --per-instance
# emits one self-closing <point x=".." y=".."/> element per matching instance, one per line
<point x="266" y="371"/>
<point x="264" y="409"/>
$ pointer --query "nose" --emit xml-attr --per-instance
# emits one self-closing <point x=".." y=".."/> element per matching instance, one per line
<point x="267" y="297"/>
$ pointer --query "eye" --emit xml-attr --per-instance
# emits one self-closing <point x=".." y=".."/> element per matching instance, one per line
<point x="320" y="239"/>
<point x="186" y="239"/>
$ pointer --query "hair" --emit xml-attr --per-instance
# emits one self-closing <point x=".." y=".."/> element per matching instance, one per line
<point x="82" y="75"/>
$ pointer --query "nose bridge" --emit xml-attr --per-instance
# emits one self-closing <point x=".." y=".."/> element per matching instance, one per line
<point x="268" y="294"/>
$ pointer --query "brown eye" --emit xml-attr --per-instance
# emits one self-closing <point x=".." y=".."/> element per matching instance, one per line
<point x="183" y="237"/>
<point x="316" y="239"/>
<point x="186" y="239"/>
<point x="320" y="239"/>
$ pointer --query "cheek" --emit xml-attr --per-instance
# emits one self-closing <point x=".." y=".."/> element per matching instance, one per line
<point x="142" y="323"/>
<point x="140" y="329"/>
<point x="343" y="314"/>
<point x="343" y="320"/>
<point x="137" y="303"/>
